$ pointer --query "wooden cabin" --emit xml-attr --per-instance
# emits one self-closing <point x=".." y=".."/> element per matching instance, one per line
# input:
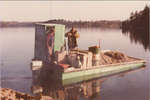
<point x="49" y="38"/>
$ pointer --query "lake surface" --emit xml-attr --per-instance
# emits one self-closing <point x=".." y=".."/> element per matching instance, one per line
<point x="17" y="51"/>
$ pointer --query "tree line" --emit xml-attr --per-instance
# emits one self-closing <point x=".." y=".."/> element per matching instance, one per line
<point x="68" y="23"/>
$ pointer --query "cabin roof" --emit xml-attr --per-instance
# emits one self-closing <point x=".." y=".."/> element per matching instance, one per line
<point x="49" y="24"/>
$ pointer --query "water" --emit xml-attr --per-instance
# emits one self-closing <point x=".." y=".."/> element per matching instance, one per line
<point x="18" y="51"/>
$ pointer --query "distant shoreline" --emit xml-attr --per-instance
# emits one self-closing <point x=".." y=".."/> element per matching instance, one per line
<point x="7" y="24"/>
<point x="114" y="24"/>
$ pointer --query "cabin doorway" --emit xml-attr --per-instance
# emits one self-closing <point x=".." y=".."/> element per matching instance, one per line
<point x="50" y="36"/>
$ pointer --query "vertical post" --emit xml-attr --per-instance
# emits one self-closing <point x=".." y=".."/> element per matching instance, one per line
<point x="99" y="43"/>
<point x="66" y="44"/>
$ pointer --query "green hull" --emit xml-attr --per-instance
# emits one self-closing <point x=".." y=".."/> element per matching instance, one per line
<point x="82" y="75"/>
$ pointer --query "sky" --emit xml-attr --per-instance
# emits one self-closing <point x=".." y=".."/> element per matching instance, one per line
<point x="69" y="10"/>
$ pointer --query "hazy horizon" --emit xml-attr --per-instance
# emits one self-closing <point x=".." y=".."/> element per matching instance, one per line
<point x="68" y="10"/>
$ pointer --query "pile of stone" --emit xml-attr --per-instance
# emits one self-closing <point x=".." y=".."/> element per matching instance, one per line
<point x="9" y="94"/>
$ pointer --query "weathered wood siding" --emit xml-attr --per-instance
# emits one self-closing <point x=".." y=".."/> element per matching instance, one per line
<point x="40" y="43"/>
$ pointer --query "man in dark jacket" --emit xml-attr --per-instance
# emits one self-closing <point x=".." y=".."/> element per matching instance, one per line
<point x="72" y="38"/>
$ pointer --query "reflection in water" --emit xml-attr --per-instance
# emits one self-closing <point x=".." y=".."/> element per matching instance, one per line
<point x="139" y="36"/>
<point x="137" y="26"/>
<point x="89" y="89"/>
